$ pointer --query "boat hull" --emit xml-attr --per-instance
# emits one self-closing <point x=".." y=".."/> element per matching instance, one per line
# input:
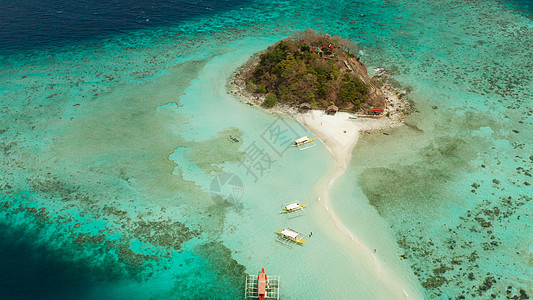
<point x="261" y="284"/>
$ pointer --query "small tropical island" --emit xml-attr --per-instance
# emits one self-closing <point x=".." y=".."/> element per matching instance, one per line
<point x="319" y="81"/>
<point x="312" y="70"/>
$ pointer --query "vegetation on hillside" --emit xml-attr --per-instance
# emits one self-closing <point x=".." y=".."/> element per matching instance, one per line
<point x="313" y="68"/>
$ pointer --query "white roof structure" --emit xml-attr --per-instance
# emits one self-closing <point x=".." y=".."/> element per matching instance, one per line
<point x="301" y="140"/>
<point x="292" y="206"/>
<point x="289" y="233"/>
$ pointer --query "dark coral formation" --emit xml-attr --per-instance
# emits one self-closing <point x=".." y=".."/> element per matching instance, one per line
<point x="229" y="273"/>
<point x="163" y="233"/>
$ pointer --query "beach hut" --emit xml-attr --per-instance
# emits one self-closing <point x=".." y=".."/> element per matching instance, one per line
<point x="332" y="110"/>
<point x="305" y="107"/>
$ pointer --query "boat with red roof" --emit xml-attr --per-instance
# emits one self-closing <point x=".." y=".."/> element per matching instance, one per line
<point x="262" y="284"/>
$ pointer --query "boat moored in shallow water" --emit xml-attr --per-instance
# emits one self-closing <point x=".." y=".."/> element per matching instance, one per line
<point x="303" y="140"/>
<point x="294" y="209"/>
<point x="290" y="236"/>
<point x="261" y="284"/>
<point x="294" y="206"/>
<point x="262" y="287"/>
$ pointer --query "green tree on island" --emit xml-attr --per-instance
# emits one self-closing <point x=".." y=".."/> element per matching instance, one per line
<point x="314" y="68"/>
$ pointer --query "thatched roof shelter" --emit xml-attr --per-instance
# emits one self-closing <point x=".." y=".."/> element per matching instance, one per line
<point x="332" y="109"/>
<point x="305" y="106"/>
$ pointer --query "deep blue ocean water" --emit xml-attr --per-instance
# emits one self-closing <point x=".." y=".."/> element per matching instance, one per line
<point x="30" y="270"/>
<point x="26" y="25"/>
<point x="526" y="6"/>
<point x="29" y="25"/>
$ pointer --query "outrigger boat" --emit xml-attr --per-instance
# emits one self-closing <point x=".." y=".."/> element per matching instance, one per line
<point x="261" y="287"/>
<point x="294" y="209"/>
<point x="291" y="207"/>
<point x="262" y="284"/>
<point x="288" y="236"/>
<point x="234" y="138"/>
<point x="302" y="141"/>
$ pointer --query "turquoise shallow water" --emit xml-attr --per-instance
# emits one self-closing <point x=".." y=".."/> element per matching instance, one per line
<point x="109" y="148"/>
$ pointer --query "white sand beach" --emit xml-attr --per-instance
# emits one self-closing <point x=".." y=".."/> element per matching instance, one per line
<point x="340" y="133"/>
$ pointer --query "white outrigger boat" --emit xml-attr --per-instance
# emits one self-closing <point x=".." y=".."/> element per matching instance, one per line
<point x="305" y="140"/>
<point x="289" y="237"/>
<point x="294" y="209"/>
<point x="302" y="141"/>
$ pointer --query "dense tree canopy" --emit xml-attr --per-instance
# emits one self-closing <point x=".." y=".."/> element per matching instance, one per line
<point x="310" y="67"/>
